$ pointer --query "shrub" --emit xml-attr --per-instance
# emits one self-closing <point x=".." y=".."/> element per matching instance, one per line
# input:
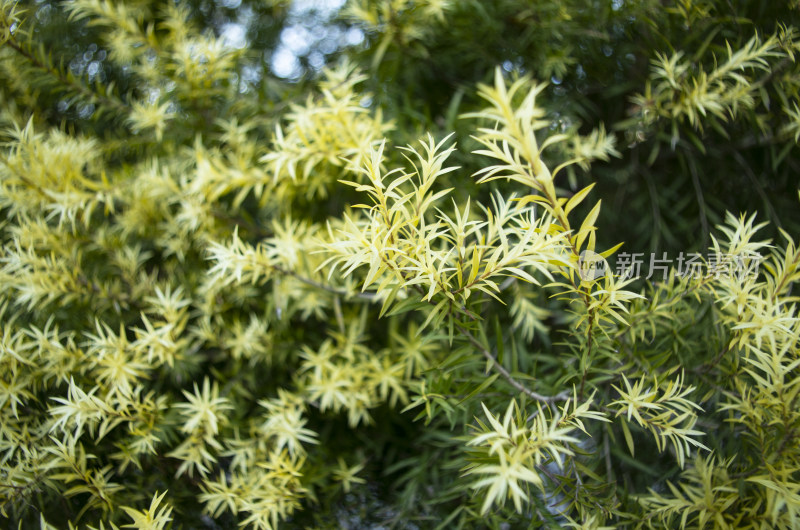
<point x="229" y="299"/>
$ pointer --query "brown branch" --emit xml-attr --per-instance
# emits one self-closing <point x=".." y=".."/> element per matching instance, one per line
<point x="370" y="297"/>
<point x="561" y="396"/>
<point x="589" y="341"/>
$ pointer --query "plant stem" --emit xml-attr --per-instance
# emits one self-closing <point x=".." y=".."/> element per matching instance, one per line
<point x="561" y="396"/>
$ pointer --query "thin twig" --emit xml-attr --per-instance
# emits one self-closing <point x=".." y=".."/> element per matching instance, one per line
<point x="561" y="396"/>
<point x="370" y="297"/>
<point x="589" y="340"/>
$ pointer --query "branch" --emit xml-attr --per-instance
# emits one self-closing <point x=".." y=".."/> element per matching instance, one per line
<point x="371" y="297"/>
<point x="561" y="396"/>
<point x="76" y="85"/>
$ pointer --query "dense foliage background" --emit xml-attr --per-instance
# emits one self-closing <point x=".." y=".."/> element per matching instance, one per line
<point x="199" y="312"/>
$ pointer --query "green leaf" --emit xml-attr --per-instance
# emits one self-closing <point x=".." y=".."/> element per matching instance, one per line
<point x="576" y="199"/>
<point x="627" y="433"/>
<point x="480" y="388"/>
